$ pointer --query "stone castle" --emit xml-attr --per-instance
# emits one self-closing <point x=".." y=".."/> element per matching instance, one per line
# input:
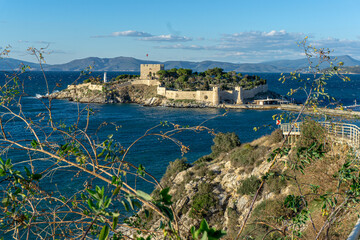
<point x="148" y="71"/>
<point x="215" y="97"/>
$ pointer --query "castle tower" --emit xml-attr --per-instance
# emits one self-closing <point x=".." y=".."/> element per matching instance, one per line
<point x="148" y="71"/>
<point x="216" y="99"/>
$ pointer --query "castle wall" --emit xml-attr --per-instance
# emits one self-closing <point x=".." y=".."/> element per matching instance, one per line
<point x="92" y="87"/>
<point x="147" y="82"/>
<point x="252" y="92"/>
<point x="204" y="96"/>
<point x="215" y="96"/>
<point x="227" y="96"/>
<point x="148" y="71"/>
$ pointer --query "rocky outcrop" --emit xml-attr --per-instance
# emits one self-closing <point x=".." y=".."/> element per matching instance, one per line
<point x="113" y="93"/>
<point x="212" y="190"/>
<point x="220" y="188"/>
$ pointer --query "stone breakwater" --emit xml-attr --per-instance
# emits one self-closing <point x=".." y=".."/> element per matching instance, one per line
<point x="321" y="111"/>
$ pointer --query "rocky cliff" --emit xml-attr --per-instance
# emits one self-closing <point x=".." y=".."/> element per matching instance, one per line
<point x="122" y="93"/>
<point x="220" y="188"/>
<point x="108" y="94"/>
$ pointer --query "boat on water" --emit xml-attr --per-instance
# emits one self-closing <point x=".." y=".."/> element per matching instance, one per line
<point x="354" y="107"/>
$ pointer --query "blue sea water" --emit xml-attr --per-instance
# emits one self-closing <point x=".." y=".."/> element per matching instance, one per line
<point x="134" y="119"/>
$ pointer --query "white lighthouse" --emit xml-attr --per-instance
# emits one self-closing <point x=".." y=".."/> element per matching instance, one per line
<point x="105" y="77"/>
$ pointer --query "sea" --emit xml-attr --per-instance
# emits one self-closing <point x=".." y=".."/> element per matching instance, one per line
<point x="134" y="120"/>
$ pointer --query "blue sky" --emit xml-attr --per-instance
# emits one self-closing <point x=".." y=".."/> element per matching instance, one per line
<point x="228" y="30"/>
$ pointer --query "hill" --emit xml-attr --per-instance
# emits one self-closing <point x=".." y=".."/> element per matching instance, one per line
<point x="133" y="64"/>
<point x="351" y="70"/>
<point x="11" y="64"/>
<point x="220" y="188"/>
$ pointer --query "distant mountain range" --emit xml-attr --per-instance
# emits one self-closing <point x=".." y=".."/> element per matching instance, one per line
<point x="133" y="64"/>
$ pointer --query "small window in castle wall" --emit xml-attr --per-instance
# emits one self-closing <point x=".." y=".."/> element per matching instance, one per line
<point x="205" y="97"/>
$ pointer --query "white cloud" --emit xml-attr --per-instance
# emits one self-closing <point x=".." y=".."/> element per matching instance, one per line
<point x="249" y="42"/>
<point x="144" y="36"/>
<point x="339" y="46"/>
<point x="181" y="46"/>
<point x="44" y="42"/>
<point x="263" y="46"/>
<point x="128" y="33"/>
<point x="35" y="42"/>
<point x="166" y="38"/>
<point x="131" y="33"/>
<point x="256" y="40"/>
<point x="58" y="52"/>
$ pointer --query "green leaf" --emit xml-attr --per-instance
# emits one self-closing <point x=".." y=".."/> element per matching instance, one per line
<point x="115" y="221"/>
<point x="204" y="236"/>
<point x="204" y="225"/>
<point x="34" y="144"/>
<point x="91" y="192"/>
<point x="141" y="170"/>
<point x="104" y="233"/>
<point x="27" y="171"/>
<point x="91" y="204"/>
<point x="113" y="181"/>
<point x="36" y="176"/>
<point x="126" y="205"/>
<point x="5" y="201"/>
<point x="116" y="191"/>
<point x="147" y="214"/>
<point x="102" y="152"/>
<point x="144" y="195"/>
<point x="165" y="196"/>
<point x="137" y="204"/>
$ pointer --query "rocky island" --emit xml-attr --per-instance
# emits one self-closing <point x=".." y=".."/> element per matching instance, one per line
<point x="174" y="88"/>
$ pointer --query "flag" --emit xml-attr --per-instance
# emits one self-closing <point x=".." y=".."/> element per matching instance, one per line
<point x="147" y="55"/>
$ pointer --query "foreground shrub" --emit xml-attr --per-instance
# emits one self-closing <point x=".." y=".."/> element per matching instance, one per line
<point x="174" y="168"/>
<point x="276" y="183"/>
<point x="311" y="133"/>
<point x="248" y="156"/>
<point x="203" y="200"/>
<point x="224" y="142"/>
<point x="243" y="156"/>
<point x="276" y="136"/>
<point x="203" y="159"/>
<point x="249" y="186"/>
